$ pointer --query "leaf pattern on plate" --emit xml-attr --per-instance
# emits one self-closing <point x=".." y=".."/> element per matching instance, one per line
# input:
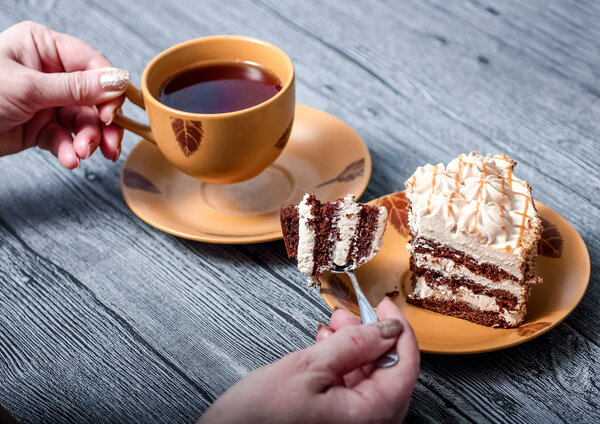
<point x="285" y="136"/>
<point x="343" y="294"/>
<point x="551" y="242"/>
<point x="529" y="329"/>
<point x="395" y="204"/>
<point x="188" y="134"/>
<point x="137" y="181"/>
<point x="354" y="170"/>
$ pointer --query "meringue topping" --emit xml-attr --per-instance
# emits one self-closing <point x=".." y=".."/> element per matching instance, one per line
<point x="477" y="195"/>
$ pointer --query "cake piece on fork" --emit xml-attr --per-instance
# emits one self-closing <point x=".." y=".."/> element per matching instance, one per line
<point x="324" y="236"/>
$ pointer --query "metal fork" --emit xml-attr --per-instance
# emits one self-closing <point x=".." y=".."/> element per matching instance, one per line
<point x="367" y="315"/>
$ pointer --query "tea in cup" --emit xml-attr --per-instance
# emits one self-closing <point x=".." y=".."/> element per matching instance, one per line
<point x="220" y="108"/>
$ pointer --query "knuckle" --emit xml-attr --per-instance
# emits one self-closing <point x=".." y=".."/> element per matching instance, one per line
<point x="28" y="25"/>
<point x="358" y="339"/>
<point x="78" y="86"/>
<point x="28" y="83"/>
<point x="304" y="361"/>
<point x="38" y="30"/>
<point x="28" y="89"/>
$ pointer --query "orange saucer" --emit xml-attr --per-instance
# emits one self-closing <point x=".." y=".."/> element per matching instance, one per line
<point x="563" y="263"/>
<point x="323" y="156"/>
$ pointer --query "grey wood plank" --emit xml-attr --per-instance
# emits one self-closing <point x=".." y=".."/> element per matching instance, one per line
<point x="161" y="303"/>
<point x="65" y="356"/>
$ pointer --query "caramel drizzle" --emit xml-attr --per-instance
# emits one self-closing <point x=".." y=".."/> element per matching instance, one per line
<point x="457" y="176"/>
<point x="523" y="219"/>
<point x="508" y="179"/>
<point x="521" y="226"/>
<point x="460" y="167"/>
<point x="450" y="201"/>
<point x="435" y="172"/>
<point x="413" y="181"/>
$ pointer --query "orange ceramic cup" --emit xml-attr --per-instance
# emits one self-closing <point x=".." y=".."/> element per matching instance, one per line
<point x="220" y="148"/>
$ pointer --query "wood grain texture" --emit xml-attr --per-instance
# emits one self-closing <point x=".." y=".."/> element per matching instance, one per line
<point x="103" y="318"/>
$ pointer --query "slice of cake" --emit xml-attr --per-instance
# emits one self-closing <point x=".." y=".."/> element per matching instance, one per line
<point x="474" y="239"/>
<point x="322" y="236"/>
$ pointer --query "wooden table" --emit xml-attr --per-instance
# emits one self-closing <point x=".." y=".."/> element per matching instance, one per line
<point x="106" y="319"/>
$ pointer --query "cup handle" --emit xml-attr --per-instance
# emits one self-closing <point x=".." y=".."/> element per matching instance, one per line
<point x="134" y="95"/>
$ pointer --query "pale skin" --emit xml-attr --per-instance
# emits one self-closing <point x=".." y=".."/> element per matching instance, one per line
<point x="53" y="95"/>
<point x="333" y="381"/>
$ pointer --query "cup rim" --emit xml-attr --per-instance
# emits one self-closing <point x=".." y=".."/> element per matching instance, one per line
<point x="286" y="85"/>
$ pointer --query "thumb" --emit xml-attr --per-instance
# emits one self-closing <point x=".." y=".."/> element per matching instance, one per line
<point x="89" y="87"/>
<point x="355" y="346"/>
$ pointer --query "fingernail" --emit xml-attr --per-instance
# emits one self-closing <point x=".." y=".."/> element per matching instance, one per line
<point x="78" y="163"/>
<point x="90" y="150"/>
<point x="319" y="326"/>
<point x="114" y="79"/>
<point x="389" y="328"/>
<point x="116" y="158"/>
<point x="113" y="116"/>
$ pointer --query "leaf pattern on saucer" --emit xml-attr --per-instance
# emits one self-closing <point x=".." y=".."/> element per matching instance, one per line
<point x="354" y="170"/>
<point x="285" y="136"/>
<point x="529" y="329"/>
<point x="345" y="296"/>
<point x="137" y="181"/>
<point x="551" y="242"/>
<point x="395" y="204"/>
<point x="188" y="134"/>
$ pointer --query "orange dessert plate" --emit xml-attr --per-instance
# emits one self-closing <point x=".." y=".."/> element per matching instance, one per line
<point x="563" y="262"/>
<point x="323" y="156"/>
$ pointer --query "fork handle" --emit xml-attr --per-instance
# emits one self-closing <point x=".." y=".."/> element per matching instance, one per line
<point x="368" y="315"/>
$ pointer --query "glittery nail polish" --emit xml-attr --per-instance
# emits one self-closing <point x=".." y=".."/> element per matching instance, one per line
<point x="389" y="328"/>
<point x="114" y="79"/>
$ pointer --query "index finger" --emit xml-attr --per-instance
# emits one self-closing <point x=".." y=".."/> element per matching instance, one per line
<point x="77" y="55"/>
<point x="56" y="52"/>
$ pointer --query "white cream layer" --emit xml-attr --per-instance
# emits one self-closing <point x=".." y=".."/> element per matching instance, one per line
<point x="476" y="301"/>
<point x="449" y="268"/>
<point x="306" y="238"/>
<point x="429" y="226"/>
<point x="346" y="221"/>
<point x="378" y="238"/>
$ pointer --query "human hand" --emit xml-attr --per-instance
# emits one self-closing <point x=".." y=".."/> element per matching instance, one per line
<point x="53" y="85"/>
<point x="332" y="381"/>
